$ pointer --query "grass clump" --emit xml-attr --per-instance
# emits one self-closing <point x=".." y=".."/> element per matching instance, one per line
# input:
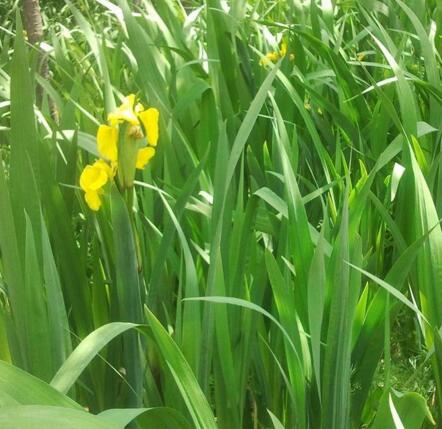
<point x="277" y="263"/>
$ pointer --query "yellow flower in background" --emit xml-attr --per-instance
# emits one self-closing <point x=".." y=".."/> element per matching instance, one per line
<point x="269" y="57"/>
<point x="92" y="180"/>
<point x="274" y="56"/>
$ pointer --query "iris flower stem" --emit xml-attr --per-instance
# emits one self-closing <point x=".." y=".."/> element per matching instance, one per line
<point x="129" y="199"/>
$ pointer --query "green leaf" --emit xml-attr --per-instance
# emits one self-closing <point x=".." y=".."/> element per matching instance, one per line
<point x="249" y="305"/>
<point x="164" y="417"/>
<point x="19" y="387"/>
<point x="84" y="140"/>
<point x="23" y="129"/>
<point x="128" y="289"/>
<point x="276" y="423"/>
<point x="337" y="360"/>
<point x="410" y="407"/>
<point x="38" y="331"/>
<point x="390" y="289"/>
<point x="191" y="392"/>
<point x="79" y="359"/>
<point x="98" y="51"/>
<point x="49" y="417"/>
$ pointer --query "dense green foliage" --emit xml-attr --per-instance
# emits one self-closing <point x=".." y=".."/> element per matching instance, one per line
<point x="278" y="263"/>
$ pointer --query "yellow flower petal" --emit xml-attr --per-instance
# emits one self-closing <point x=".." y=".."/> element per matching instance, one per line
<point x="93" y="178"/>
<point x="144" y="156"/>
<point x="139" y="108"/>
<point x="129" y="100"/>
<point x="107" y="142"/>
<point x="283" y="49"/>
<point x="263" y="61"/>
<point x="93" y="200"/>
<point x="125" y="112"/>
<point x="149" y="118"/>
<point x="108" y="169"/>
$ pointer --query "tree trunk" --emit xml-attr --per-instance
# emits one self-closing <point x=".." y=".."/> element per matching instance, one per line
<point x="33" y="20"/>
<point x="34" y="29"/>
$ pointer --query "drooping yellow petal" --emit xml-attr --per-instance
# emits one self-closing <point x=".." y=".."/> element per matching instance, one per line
<point x="107" y="142"/>
<point x="144" y="156"/>
<point x="93" y="178"/>
<point x="125" y="112"/>
<point x="149" y="118"/>
<point x="93" y="200"/>
<point x="283" y="49"/>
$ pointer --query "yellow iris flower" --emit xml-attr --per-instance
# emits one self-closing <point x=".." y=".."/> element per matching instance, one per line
<point x="92" y="180"/>
<point x="135" y="115"/>
<point x="94" y="177"/>
<point x="269" y="57"/>
<point x="274" y="56"/>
